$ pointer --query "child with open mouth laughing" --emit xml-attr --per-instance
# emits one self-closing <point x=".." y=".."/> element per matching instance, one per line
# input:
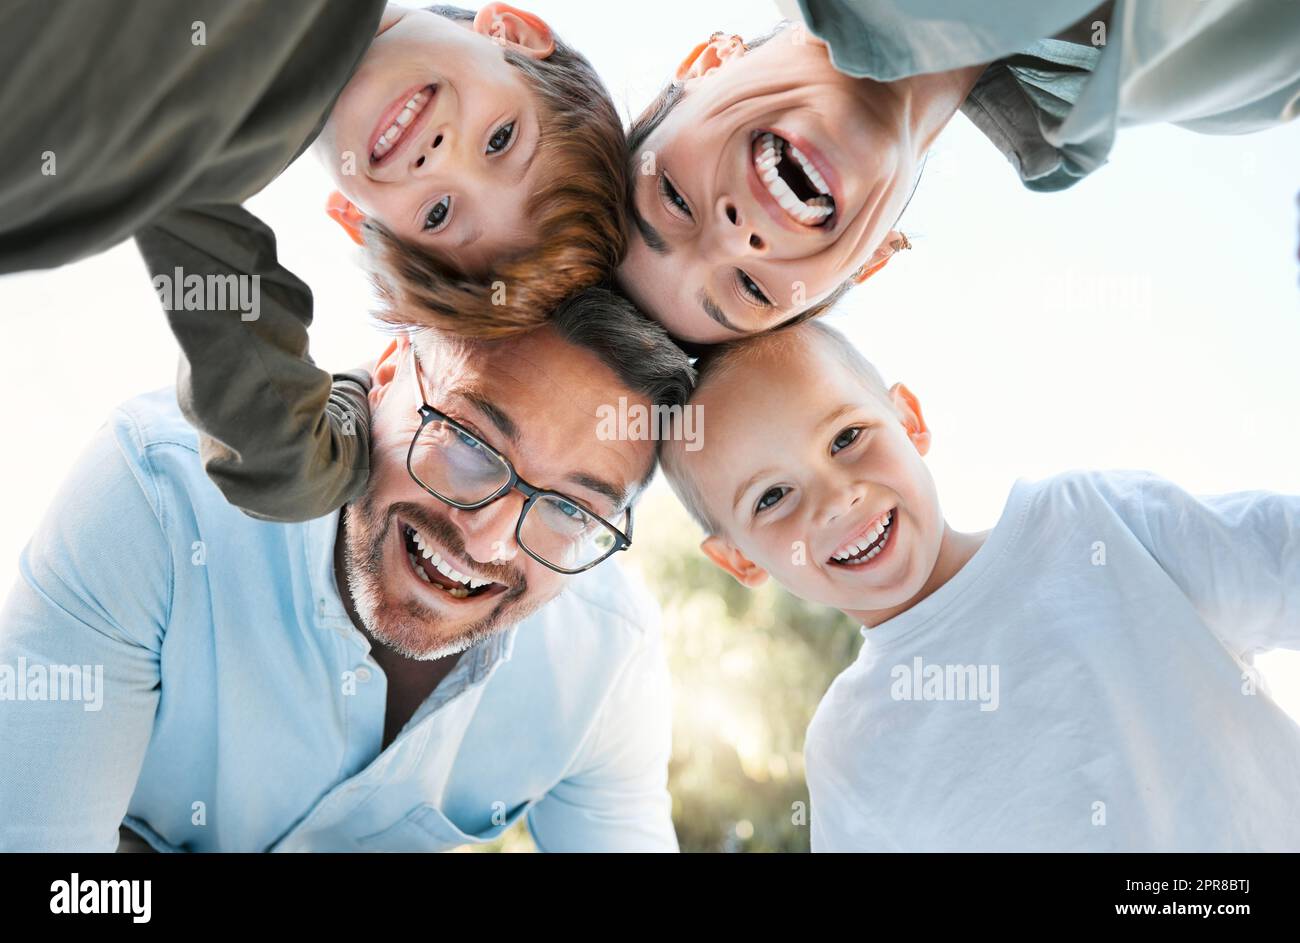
<point x="1077" y="678"/>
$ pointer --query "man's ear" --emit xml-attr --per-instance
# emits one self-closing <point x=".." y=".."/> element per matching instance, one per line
<point x="525" y="33"/>
<point x="385" y="368"/>
<point x="908" y="408"/>
<point x="728" y="557"/>
<point x="709" y="55"/>
<point x="344" y="212"/>
<point x="894" y="241"/>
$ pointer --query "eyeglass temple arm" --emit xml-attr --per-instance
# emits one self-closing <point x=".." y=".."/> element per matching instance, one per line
<point x="415" y="373"/>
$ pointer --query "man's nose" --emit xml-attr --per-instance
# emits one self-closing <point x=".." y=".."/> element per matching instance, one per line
<point x="490" y="531"/>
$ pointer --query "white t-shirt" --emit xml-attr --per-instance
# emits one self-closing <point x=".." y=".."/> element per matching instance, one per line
<point x="1083" y="683"/>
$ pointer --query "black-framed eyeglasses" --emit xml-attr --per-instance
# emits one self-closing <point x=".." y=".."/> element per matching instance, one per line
<point x="459" y="469"/>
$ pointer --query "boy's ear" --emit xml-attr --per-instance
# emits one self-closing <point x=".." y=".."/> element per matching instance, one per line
<point x="344" y="212"/>
<point x="728" y="557"/>
<point x="908" y="408"/>
<point x="524" y="32"/>
<point x="894" y="241"/>
<point x="709" y="55"/>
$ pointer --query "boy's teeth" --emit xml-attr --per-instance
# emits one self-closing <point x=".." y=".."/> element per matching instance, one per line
<point x="857" y="547"/>
<point x="394" y="131"/>
<point x="810" y="170"/>
<point x="770" y="153"/>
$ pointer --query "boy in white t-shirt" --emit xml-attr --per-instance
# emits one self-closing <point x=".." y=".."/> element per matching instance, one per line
<point x="1077" y="678"/>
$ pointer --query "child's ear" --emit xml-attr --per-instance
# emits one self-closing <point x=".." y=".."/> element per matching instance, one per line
<point x="524" y="32"/>
<point x="344" y="212"/>
<point x="908" y="408"/>
<point x="894" y="241"/>
<point x="728" y="557"/>
<point x="709" y="55"/>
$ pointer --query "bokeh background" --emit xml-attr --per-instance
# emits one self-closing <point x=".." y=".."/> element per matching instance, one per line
<point x="1147" y="318"/>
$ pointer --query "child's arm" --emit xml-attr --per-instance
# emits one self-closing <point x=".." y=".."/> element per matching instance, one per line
<point x="282" y="439"/>
<point x="1235" y="556"/>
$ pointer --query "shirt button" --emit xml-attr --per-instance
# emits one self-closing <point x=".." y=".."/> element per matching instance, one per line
<point x="363" y="674"/>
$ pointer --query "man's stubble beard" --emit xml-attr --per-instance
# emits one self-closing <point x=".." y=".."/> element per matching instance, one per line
<point x="410" y="628"/>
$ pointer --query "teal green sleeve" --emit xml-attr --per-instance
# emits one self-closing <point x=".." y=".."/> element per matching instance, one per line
<point x="281" y="438"/>
<point x="887" y="40"/>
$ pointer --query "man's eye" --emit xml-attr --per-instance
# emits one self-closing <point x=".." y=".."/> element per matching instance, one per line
<point x="846" y="438"/>
<point x="770" y="498"/>
<point x="438" y="215"/>
<point x="674" y="199"/>
<point x="750" y="288"/>
<point x="501" y="139"/>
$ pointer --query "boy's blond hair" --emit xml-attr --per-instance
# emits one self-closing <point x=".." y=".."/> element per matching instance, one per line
<point x="715" y="365"/>
<point x="577" y="216"/>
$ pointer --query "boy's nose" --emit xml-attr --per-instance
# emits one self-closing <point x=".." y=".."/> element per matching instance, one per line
<point x="840" y="502"/>
<point x="737" y="233"/>
<point x="434" y="151"/>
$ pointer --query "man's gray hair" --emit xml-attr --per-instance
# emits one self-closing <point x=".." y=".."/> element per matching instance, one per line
<point x="638" y="350"/>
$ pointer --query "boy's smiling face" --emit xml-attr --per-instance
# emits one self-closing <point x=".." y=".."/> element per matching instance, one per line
<point x="804" y="463"/>
<point x="773" y="179"/>
<point x="442" y="130"/>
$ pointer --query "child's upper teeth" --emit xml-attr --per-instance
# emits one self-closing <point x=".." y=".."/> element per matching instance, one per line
<point x="849" y="551"/>
<point x="770" y="152"/>
<point x="810" y="170"/>
<point x="394" y="130"/>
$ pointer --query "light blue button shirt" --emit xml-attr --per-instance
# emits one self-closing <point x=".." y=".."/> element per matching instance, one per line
<point x="240" y="709"/>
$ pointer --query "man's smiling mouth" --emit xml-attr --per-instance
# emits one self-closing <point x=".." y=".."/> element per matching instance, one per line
<point x="792" y="180"/>
<point x="397" y="120"/>
<point x="431" y="567"/>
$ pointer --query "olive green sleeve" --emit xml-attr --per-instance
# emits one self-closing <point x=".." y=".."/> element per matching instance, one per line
<point x="281" y="438"/>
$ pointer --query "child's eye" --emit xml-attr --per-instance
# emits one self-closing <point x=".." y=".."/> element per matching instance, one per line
<point x="846" y="438"/>
<point x="676" y="203"/>
<point x="437" y="217"/>
<point x="770" y="498"/>
<point x="750" y="288"/>
<point x="501" y="139"/>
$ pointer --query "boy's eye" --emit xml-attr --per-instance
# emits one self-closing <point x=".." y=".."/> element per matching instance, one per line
<point x="846" y="438"/>
<point x="676" y="204"/>
<point x="750" y="288"/>
<point x="438" y="215"/>
<point x="500" y="140"/>
<point x="770" y="498"/>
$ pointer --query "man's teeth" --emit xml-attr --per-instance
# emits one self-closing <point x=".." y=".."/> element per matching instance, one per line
<point x="849" y="551"/>
<point x="771" y="150"/>
<point x="443" y="567"/>
<point x="394" y="131"/>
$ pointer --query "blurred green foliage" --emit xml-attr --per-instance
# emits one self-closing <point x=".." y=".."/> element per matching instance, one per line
<point x="748" y="670"/>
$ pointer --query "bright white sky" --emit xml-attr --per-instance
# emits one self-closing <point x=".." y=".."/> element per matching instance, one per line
<point x="1148" y="318"/>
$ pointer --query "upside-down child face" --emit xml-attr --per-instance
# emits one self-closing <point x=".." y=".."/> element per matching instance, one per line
<point x="767" y="186"/>
<point x="815" y="477"/>
<point x="434" y="135"/>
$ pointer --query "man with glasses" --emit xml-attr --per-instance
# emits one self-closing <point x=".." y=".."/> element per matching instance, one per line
<point x="415" y="672"/>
